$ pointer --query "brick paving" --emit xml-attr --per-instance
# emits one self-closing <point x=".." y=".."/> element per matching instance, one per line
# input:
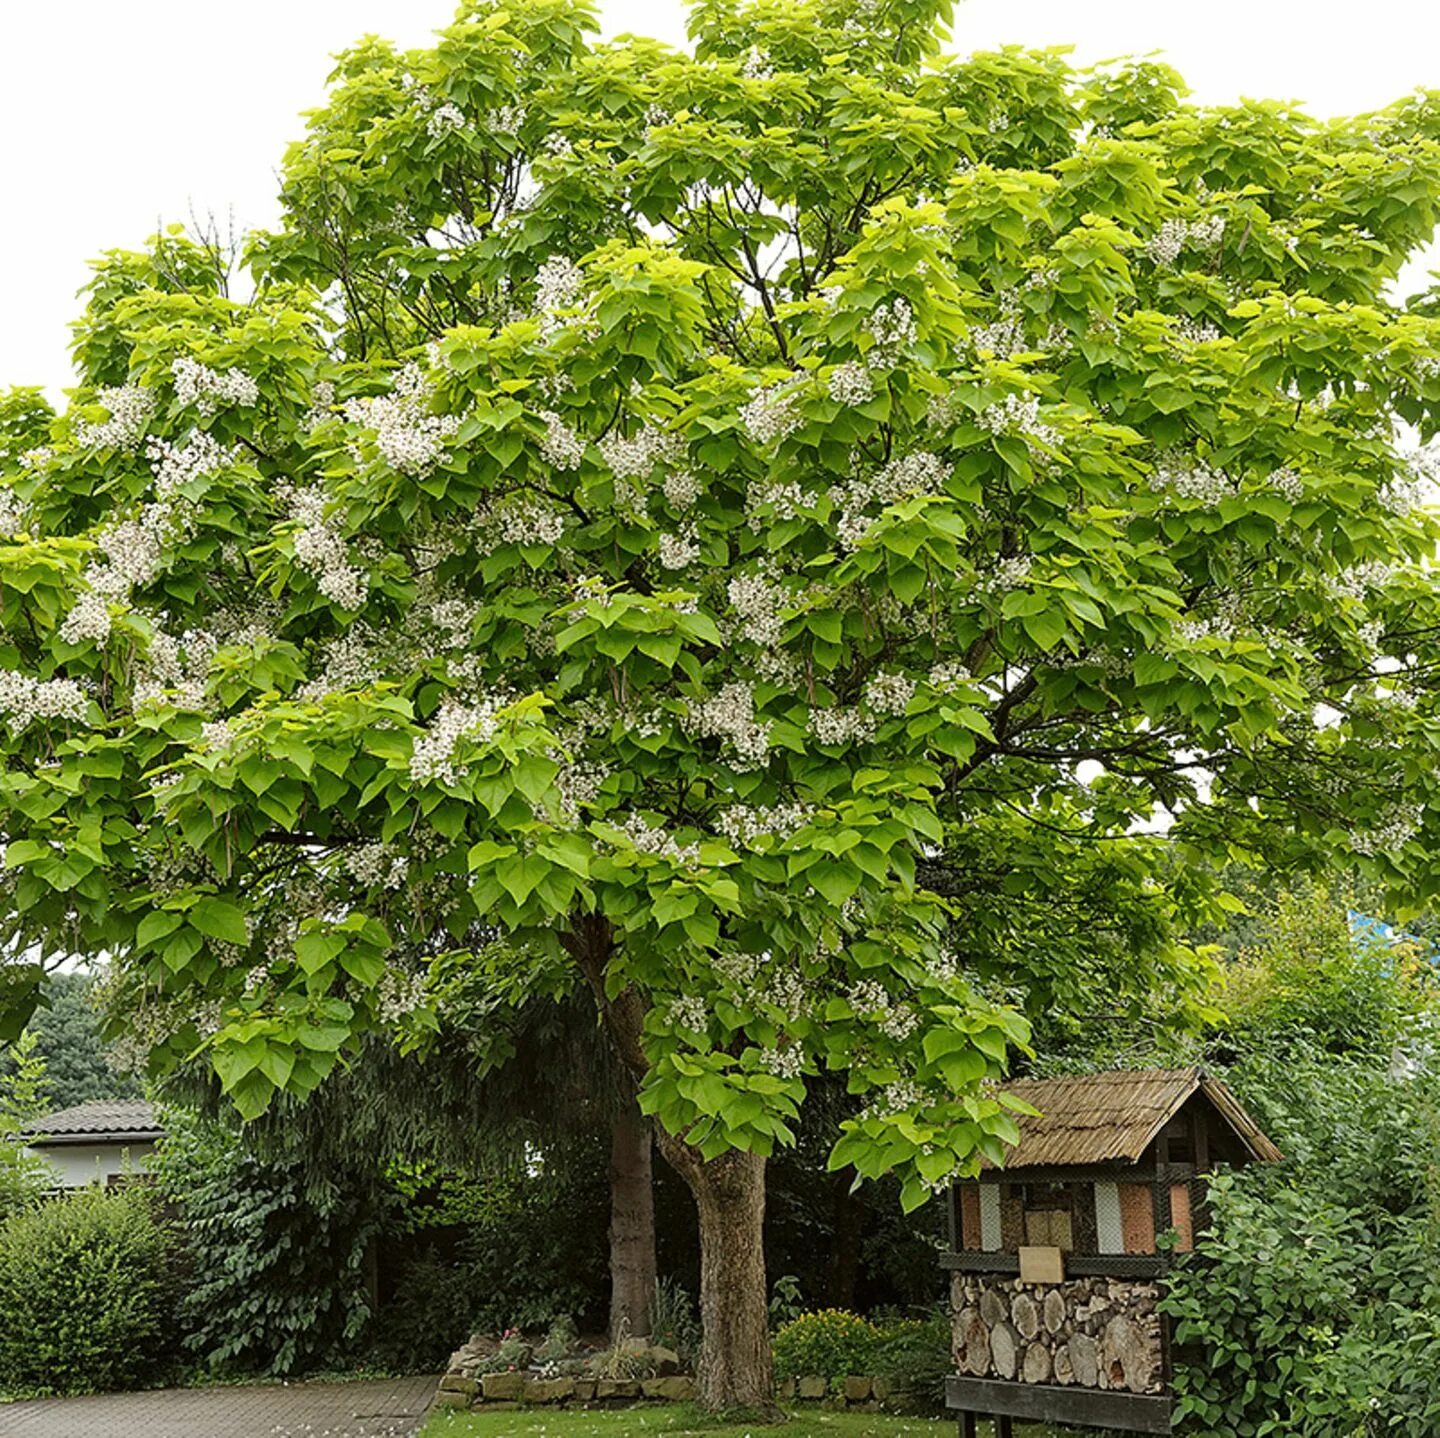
<point x="385" y="1408"/>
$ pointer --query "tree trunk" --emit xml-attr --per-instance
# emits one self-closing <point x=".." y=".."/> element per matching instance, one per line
<point x="729" y="1191"/>
<point x="632" y="1225"/>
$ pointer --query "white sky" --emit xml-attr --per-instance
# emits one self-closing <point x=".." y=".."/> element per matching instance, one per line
<point x="119" y="116"/>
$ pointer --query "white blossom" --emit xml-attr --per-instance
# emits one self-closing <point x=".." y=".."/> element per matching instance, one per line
<point x="771" y="415"/>
<point x="561" y="447"/>
<point x="891" y="327"/>
<point x="919" y="472"/>
<point x="377" y="865"/>
<point x="757" y="602"/>
<point x="321" y="550"/>
<point x="634" y="456"/>
<point x="647" y="838"/>
<point x="444" y="120"/>
<point x="1284" y="481"/>
<point x="681" y="488"/>
<point x="1393" y="830"/>
<point x="742" y="824"/>
<point x="88" y="620"/>
<point x="786" y="1063"/>
<point x="688" y="1012"/>
<point x="850" y="384"/>
<point x="208" y="390"/>
<point x="130" y="407"/>
<point x="1185" y="475"/>
<point x="678" y="551"/>
<point x="12" y="514"/>
<point x="557" y="286"/>
<point x="949" y="675"/>
<point x="730" y="716"/>
<point x="841" y="726"/>
<point x="24" y="700"/>
<point x="1018" y="414"/>
<point x="409" y="437"/>
<point x="433" y="754"/>
<point x="888" y="693"/>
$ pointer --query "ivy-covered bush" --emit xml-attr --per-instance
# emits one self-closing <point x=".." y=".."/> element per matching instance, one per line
<point x="87" y="1297"/>
<point x="914" y="1357"/>
<point x="829" y="1344"/>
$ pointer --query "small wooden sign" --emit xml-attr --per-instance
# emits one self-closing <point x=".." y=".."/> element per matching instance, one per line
<point x="1042" y="1265"/>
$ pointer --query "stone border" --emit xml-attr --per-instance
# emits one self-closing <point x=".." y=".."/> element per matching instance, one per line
<point x="498" y="1392"/>
<point x="854" y="1391"/>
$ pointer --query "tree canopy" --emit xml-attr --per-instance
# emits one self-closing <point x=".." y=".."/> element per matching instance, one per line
<point x="818" y="540"/>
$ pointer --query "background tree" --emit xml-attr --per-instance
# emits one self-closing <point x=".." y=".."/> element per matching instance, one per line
<point x="832" y="501"/>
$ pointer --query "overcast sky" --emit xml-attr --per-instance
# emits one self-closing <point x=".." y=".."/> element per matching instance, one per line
<point x="116" y="117"/>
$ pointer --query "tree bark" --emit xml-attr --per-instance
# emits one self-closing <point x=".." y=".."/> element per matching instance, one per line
<point x="632" y="1225"/>
<point x="735" y="1369"/>
<point x="729" y="1191"/>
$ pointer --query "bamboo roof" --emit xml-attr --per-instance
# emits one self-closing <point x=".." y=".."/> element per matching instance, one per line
<point x="1114" y="1117"/>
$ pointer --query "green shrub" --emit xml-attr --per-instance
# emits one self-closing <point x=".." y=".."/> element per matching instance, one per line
<point x="279" y="1266"/>
<point x="829" y="1344"/>
<point x="914" y="1357"/>
<point x="86" y="1297"/>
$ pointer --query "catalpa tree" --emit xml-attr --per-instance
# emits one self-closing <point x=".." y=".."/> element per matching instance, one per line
<point x="766" y="534"/>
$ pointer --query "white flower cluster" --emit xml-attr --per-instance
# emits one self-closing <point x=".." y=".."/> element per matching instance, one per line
<point x="1286" y="482"/>
<point x="130" y="407"/>
<point x="376" y="865"/>
<point x="742" y="824"/>
<point x="349" y="661"/>
<point x="783" y="497"/>
<point x="730" y="716"/>
<point x="1005" y="334"/>
<point x="433" y="754"/>
<point x="1186" y="476"/>
<point x="678" y="551"/>
<point x="322" y="401"/>
<point x="1196" y="332"/>
<point x="1401" y="496"/>
<point x="321" y="551"/>
<point x="918" y="473"/>
<point x="398" y="994"/>
<point x="23" y="700"/>
<point x="681" y="488"/>
<point x="895" y="1098"/>
<point x="892" y="330"/>
<point x="647" y="838"/>
<point x="176" y="669"/>
<point x="579" y="785"/>
<point x="1359" y="579"/>
<point x="505" y="119"/>
<point x="1010" y="572"/>
<point x="1399" y="824"/>
<point x="88" y="621"/>
<point x="1165" y="245"/>
<point x="561" y="447"/>
<point x="557" y="287"/>
<point x="757" y="602"/>
<point x="519" y="518"/>
<point x="688" y="1013"/>
<point x="841" y="726"/>
<point x="850" y="384"/>
<point x="208" y="390"/>
<point x="950" y="675"/>
<point x="444" y="120"/>
<point x="634" y="456"/>
<point x="216" y="735"/>
<point x="1018" y="414"/>
<point x="771" y="414"/>
<point x="786" y="1063"/>
<point x="409" y="437"/>
<point x="888" y="693"/>
<point x="176" y="466"/>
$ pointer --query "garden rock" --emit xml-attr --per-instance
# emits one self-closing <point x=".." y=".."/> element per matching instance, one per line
<point x="503" y="1385"/>
<point x="677" y="1389"/>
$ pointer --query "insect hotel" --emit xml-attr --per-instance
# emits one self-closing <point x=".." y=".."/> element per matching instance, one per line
<point x="1055" y="1259"/>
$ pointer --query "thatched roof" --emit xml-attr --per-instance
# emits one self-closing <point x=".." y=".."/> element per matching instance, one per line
<point x="1114" y="1117"/>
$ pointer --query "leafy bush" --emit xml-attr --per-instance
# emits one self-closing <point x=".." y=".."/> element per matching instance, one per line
<point x="829" y="1344"/>
<point x="914" y="1357"/>
<point x="86" y="1294"/>
<point x="1311" y="1308"/>
<point x="23" y="1087"/>
<point x="279" y="1266"/>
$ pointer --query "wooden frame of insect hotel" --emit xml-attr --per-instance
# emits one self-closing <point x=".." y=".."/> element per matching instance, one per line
<point x="1055" y="1262"/>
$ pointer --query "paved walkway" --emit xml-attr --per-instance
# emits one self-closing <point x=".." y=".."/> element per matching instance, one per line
<point x="387" y="1408"/>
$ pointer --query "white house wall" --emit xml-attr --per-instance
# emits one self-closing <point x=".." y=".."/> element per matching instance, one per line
<point x="76" y="1164"/>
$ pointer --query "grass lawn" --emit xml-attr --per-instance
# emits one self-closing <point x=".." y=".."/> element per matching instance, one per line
<point x="681" y="1420"/>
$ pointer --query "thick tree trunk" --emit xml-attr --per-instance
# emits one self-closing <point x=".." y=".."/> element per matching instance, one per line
<point x="632" y="1225"/>
<point x="729" y="1194"/>
<point x="729" y="1191"/>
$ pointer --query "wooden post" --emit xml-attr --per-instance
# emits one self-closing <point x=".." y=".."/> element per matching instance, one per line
<point x="1004" y="1426"/>
<point x="967" y="1425"/>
